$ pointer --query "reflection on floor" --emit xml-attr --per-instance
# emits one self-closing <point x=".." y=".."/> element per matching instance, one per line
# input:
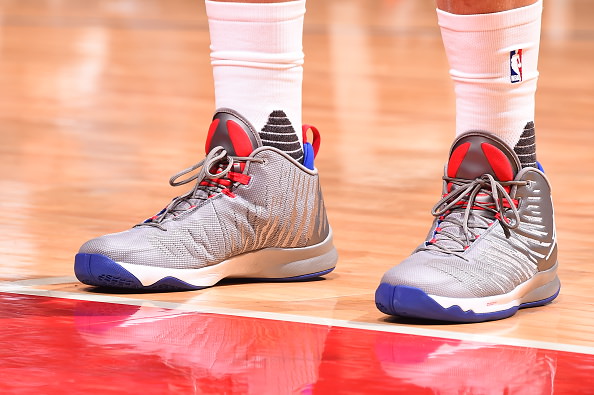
<point x="89" y="347"/>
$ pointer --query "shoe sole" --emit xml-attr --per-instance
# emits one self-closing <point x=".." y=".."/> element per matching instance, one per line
<point x="270" y="264"/>
<point x="406" y="301"/>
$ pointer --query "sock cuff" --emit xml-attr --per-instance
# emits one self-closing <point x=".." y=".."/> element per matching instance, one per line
<point x="255" y="12"/>
<point x="493" y="21"/>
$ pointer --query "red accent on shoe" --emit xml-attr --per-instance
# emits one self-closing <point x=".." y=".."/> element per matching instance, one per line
<point x="211" y="131"/>
<point x="456" y="159"/>
<point x="315" y="144"/>
<point x="214" y="182"/>
<point x="228" y="193"/>
<point x="499" y="162"/>
<point x="241" y="178"/>
<point x="507" y="205"/>
<point x="241" y="142"/>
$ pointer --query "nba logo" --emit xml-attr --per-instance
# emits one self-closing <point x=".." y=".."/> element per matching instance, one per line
<point x="515" y="65"/>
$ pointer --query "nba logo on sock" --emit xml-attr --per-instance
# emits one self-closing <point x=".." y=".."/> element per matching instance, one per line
<point x="515" y="65"/>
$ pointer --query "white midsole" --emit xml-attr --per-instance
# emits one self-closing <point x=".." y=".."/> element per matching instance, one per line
<point x="265" y="263"/>
<point x="544" y="284"/>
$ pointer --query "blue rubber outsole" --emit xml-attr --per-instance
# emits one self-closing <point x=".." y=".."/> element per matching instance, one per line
<point x="405" y="301"/>
<point x="99" y="270"/>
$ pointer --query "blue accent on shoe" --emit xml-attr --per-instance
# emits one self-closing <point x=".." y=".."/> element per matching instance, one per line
<point x="156" y="215"/>
<point x="541" y="302"/>
<point x="539" y="166"/>
<point x="308" y="156"/>
<point x="99" y="270"/>
<point x="408" y="301"/>
<point x="173" y="284"/>
<point x="296" y="278"/>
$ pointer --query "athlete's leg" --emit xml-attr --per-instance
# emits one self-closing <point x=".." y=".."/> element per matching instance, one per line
<point x="257" y="58"/>
<point x="492" y="246"/>
<point x="492" y="48"/>
<point x="256" y="209"/>
<point x="469" y="7"/>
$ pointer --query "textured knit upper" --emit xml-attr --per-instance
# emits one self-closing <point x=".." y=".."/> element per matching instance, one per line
<point x="280" y="206"/>
<point x="494" y="253"/>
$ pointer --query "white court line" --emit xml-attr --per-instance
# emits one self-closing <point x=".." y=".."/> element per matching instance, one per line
<point x="17" y="287"/>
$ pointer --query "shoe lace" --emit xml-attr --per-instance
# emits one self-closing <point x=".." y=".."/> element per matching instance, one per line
<point x="462" y="217"/>
<point x="209" y="182"/>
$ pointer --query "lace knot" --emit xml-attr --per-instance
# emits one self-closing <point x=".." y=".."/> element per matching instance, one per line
<point x="215" y="176"/>
<point x="468" y="208"/>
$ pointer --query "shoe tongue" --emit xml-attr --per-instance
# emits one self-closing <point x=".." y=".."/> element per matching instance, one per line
<point x="476" y="153"/>
<point x="232" y="132"/>
<point x="473" y="155"/>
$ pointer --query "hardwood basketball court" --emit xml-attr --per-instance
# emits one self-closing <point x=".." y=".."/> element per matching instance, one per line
<point x="102" y="101"/>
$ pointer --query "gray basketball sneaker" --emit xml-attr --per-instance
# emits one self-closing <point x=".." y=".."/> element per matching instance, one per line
<point x="492" y="247"/>
<point x="255" y="211"/>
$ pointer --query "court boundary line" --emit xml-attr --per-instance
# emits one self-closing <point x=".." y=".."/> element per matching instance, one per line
<point x="24" y="287"/>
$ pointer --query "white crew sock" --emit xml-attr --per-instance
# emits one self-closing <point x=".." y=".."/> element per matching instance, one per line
<point x="257" y="58"/>
<point x="484" y="51"/>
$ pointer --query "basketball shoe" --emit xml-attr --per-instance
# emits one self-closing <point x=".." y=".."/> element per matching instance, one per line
<point x="492" y="246"/>
<point x="255" y="211"/>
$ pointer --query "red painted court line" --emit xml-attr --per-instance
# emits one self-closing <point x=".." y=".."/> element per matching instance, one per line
<point x="52" y="345"/>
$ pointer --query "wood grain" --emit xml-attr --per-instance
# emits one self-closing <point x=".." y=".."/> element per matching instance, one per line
<point x="100" y="103"/>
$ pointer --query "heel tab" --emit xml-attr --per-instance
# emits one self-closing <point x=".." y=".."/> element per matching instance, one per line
<point x="310" y="150"/>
